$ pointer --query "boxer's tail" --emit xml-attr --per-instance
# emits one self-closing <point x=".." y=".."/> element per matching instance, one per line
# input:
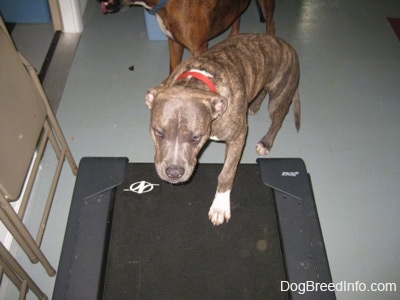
<point x="296" y="109"/>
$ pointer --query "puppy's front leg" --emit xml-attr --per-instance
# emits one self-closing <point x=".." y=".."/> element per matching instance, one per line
<point x="220" y="209"/>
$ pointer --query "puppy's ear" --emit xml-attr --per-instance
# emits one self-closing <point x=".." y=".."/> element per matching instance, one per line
<point x="150" y="96"/>
<point x="218" y="105"/>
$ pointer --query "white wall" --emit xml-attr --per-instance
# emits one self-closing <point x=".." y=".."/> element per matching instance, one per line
<point x="72" y="12"/>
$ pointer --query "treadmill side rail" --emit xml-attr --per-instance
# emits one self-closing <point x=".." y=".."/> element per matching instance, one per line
<point x="86" y="238"/>
<point x="302" y="241"/>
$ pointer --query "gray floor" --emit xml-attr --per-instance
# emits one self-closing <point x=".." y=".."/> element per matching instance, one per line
<point x="349" y="139"/>
<point x="33" y="41"/>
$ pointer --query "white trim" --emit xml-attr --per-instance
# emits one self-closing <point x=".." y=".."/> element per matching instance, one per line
<point x="72" y="12"/>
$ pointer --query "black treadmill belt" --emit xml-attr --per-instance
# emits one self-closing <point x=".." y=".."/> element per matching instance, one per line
<point x="162" y="245"/>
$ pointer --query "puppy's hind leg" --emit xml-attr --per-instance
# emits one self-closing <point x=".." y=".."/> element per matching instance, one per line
<point x="254" y="105"/>
<point x="278" y="108"/>
<point x="296" y="109"/>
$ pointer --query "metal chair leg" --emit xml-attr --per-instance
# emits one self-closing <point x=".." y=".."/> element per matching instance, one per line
<point x="17" y="275"/>
<point x="18" y="229"/>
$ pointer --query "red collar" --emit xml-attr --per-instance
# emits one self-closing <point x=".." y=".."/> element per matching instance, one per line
<point x="203" y="78"/>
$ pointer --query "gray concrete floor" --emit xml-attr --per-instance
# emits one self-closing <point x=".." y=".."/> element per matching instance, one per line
<point x="349" y="138"/>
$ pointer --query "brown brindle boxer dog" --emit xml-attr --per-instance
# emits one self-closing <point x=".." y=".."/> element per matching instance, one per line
<point x="191" y="24"/>
<point x="208" y="97"/>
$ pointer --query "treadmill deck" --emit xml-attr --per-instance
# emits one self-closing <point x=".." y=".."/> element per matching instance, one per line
<point x="132" y="236"/>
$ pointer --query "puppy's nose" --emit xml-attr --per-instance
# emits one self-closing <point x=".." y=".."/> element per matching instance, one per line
<point x="174" y="172"/>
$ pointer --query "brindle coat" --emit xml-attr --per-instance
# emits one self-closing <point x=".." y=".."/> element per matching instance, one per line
<point x="185" y="113"/>
<point x="191" y="24"/>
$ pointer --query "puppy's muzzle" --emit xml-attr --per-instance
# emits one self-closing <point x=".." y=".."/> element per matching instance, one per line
<point x="174" y="173"/>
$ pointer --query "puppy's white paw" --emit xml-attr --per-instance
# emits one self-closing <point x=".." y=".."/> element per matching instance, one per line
<point x="261" y="149"/>
<point x="220" y="209"/>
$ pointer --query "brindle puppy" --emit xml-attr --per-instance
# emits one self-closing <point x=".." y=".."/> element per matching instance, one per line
<point x="208" y="97"/>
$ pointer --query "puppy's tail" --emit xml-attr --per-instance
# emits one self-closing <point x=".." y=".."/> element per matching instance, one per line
<point x="296" y="109"/>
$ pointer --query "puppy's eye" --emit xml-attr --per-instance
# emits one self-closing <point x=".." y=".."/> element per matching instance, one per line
<point x="158" y="133"/>
<point x="196" y="138"/>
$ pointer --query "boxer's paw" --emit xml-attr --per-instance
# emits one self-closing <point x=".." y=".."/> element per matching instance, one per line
<point x="220" y="209"/>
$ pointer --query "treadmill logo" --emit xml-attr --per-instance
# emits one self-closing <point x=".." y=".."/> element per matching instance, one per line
<point x="141" y="187"/>
<point x="290" y="174"/>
